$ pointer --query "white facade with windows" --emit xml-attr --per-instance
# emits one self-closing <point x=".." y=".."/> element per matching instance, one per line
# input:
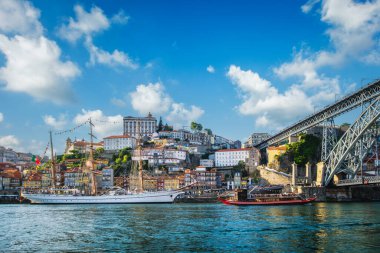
<point x="159" y="156"/>
<point x="231" y="157"/>
<point x="119" y="142"/>
<point x="143" y="126"/>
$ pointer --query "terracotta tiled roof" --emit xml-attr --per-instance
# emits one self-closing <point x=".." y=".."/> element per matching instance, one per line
<point x="11" y="173"/>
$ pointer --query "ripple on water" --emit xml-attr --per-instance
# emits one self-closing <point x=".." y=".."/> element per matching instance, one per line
<point x="190" y="228"/>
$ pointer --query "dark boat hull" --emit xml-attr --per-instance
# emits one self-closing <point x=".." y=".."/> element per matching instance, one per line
<point x="268" y="203"/>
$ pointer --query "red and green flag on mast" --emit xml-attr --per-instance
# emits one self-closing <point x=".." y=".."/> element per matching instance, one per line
<point x="36" y="159"/>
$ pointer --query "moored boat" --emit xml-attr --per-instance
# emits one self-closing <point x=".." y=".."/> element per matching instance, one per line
<point x="65" y="196"/>
<point x="264" y="196"/>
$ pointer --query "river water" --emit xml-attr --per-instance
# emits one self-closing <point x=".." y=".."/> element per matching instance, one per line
<point x="321" y="227"/>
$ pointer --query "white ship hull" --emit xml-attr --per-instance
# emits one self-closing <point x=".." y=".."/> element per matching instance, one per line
<point x="135" y="198"/>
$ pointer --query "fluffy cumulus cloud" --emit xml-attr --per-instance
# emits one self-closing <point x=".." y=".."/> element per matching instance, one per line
<point x="150" y="98"/>
<point x="114" y="59"/>
<point x="33" y="66"/>
<point x="56" y="123"/>
<point x="1" y="117"/>
<point x="180" y="115"/>
<point x="19" y="17"/>
<point x="154" y="99"/>
<point x="32" y="61"/>
<point x="10" y="141"/>
<point x="262" y="100"/>
<point x="210" y="69"/>
<point x="86" y="25"/>
<point x="353" y="30"/>
<point x="103" y="125"/>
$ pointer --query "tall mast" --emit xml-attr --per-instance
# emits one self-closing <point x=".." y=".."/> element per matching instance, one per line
<point x="91" y="157"/>
<point x="91" y="160"/>
<point x="140" y="185"/>
<point x="52" y="160"/>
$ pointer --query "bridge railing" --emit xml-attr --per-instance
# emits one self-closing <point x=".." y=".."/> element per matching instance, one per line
<point x="359" y="180"/>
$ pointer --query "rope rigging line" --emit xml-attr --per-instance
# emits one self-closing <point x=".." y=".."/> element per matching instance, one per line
<point x="72" y="129"/>
<point x="107" y="121"/>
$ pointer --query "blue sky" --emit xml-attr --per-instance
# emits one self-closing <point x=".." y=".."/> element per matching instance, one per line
<point x="237" y="67"/>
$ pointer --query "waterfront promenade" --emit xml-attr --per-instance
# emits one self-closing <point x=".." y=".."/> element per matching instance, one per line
<point x="321" y="227"/>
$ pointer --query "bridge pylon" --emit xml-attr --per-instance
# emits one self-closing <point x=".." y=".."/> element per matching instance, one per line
<point x="354" y="144"/>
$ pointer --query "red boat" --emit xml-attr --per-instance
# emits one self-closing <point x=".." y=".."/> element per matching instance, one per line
<point x="264" y="196"/>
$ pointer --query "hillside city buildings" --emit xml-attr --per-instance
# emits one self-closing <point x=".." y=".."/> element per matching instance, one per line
<point x="174" y="158"/>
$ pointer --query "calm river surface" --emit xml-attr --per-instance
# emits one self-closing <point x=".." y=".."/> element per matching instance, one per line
<point x="321" y="227"/>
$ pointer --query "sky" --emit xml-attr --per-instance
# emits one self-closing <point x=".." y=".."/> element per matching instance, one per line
<point x="236" y="67"/>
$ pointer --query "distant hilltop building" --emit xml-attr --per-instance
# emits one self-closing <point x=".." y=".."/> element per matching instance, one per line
<point x="81" y="146"/>
<point x="256" y="138"/>
<point x="148" y="125"/>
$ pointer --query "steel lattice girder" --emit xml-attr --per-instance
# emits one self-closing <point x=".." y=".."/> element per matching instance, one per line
<point x="345" y="145"/>
<point x="351" y="165"/>
<point x="349" y="102"/>
<point x="328" y="139"/>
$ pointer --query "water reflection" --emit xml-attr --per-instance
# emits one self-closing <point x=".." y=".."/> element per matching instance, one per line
<point x="191" y="228"/>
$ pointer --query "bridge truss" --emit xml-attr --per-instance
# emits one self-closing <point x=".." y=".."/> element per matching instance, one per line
<point x="345" y="104"/>
<point x="347" y="154"/>
<point x="354" y="144"/>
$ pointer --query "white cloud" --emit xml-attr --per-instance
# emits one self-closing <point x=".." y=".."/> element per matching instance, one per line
<point x="86" y="24"/>
<point x="104" y="125"/>
<point x="57" y="123"/>
<point x="308" y="6"/>
<point x="262" y="100"/>
<point x="180" y="115"/>
<point x="32" y="62"/>
<point x="19" y="17"/>
<point x="116" y="58"/>
<point x="120" y="18"/>
<point x="153" y="98"/>
<point x="118" y="102"/>
<point x="10" y="141"/>
<point x="1" y="117"/>
<point x="33" y="66"/>
<point x="150" y="98"/>
<point x="353" y="29"/>
<point x="210" y="69"/>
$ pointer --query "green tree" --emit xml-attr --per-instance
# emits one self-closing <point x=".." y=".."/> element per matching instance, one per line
<point x="208" y="130"/>
<point x="307" y="149"/>
<point x="160" y="125"/>
<point x="196" y="126"/>
<point x="168" y="128"/>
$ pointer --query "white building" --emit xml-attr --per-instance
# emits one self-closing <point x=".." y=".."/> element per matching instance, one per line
<point x="208" y="163"/>
<point x="160" y="156"/>
<point x="231" y="157"/>
<point x="147" y="125"/>
<point x="118" y="142"/>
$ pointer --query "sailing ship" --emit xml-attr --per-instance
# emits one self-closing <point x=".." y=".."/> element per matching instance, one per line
<point x="64" y="196"/>
<point x="270" y="195"/>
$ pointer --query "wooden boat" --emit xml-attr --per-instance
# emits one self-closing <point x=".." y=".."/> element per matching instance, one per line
<point x="264" y="196"/>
